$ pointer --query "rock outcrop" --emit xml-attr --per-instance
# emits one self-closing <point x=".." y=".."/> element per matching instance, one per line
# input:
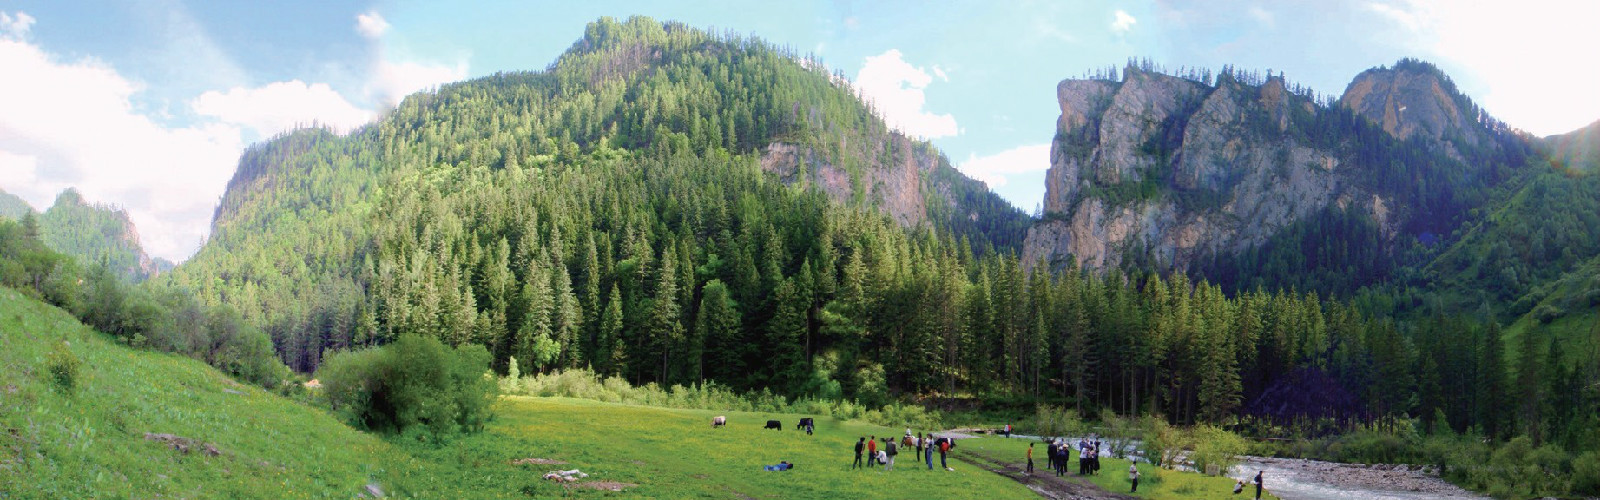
<point x="1170" y="170"/>
<point x="1415" y="98"/>
<point x="895" y="174"/>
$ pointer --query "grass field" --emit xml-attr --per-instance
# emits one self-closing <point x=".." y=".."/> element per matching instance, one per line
<point x="89" y="441"/>
<point x="1155" y="484"/>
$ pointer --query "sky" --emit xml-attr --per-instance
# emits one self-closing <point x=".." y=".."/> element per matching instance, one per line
<point x="146" y="104"/>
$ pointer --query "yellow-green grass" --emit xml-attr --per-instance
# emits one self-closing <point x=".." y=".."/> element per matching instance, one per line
<point x="1154" y="483"/>
<point x="671" y="453"/>
<point x="89" y="442"/>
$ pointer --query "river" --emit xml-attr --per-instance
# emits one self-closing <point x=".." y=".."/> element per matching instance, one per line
<point x="1291" y="479"/>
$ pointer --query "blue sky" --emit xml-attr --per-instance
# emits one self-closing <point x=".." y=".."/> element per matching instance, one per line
<point x="146" y="104"/>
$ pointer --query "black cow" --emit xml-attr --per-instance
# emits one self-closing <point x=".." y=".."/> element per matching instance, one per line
<point x="804" y="423"/>
<point x="774" y="424"/>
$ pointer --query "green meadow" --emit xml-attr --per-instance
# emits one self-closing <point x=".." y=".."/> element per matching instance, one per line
<point x="1154" y="483"/>
<point x="87" y="439"/>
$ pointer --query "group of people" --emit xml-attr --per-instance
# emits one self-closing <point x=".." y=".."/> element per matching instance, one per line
<point x="884" y="454"/>
<point x="1060" y="455"/>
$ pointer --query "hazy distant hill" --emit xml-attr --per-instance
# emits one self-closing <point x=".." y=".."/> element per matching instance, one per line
<point x="90" y="232"/>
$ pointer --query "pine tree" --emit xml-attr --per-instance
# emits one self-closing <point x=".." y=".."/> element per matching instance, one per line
<point x="610" y="345"/>
<point x="665" y="325"/>
<point x="785" y="363"/>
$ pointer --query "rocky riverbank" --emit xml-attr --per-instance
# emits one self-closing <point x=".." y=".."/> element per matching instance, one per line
<point x="1294" y="479"/>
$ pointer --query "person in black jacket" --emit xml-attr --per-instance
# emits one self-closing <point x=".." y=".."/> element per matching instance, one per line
<point x="1258" y="484"/>
<point x="860" y="445"/>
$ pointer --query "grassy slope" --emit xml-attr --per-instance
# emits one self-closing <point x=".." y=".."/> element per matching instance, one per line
<point x="90" y="443"/>
<point x="1154" y="484"/>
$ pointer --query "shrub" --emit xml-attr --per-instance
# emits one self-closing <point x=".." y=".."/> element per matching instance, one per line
<point x="1216" y="446"/>
<point x="1057" y="421"/>
<point x="1586" y="474"/>
<point x="415" y="386"/>
<point x="63" y="366"/>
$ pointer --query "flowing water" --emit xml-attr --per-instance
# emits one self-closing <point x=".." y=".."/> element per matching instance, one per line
<point x="1312" y="480"/>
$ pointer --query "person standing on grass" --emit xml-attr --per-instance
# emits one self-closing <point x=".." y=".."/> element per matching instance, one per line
<point x="891" y="450"/>
<point x="944" y="449"/>
<point x="860" y="445"/>
<point x="1030" y="458"/>
<point x="918" y="443"/>
<point x="1258" y="484"/>
<point x="1064" y="460"/>
<point x="1133" y="475"/>
<point x="928" y="447"/>
<point x="872" y="451"/>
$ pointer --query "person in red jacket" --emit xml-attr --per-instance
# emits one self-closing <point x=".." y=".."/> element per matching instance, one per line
<point x="872" y="451"/>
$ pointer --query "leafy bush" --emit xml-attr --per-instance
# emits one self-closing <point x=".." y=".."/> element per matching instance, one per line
<point x="63" y="366"/>
<point x="1057" y="421"/>
<point x="415" y="385"/>
<point x="1586" y="474"/>
<point x="1216" y="446"/>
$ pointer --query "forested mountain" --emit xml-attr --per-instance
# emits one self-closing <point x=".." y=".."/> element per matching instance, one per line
<point x="539" y="213"/>
<point x="92" y="233"/>
<point x="677" y="207"/>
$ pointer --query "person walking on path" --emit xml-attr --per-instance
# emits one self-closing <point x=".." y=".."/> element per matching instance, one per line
<point x="890" y="449"/>
<point x="1030" y="458"/>
<point x="1258" y="484"/>
<point x="872" y="451"/>
<point x="1133" y="475"/>
<point x="860" y="445"/>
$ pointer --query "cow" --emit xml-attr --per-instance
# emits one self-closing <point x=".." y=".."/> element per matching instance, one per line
<point x="806" y="424"/>
<point x="718" y="421"/>
<point x="774" y="424"/>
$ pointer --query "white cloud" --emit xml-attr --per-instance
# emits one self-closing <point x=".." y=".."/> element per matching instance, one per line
<point x="73" y="124"/>
<point x="393" y="78"/>
<point x="895" y="88"/>
<point x="1510" y="51"/>
<point x="282" y="106"/>
<point x="939" y="72"/>
<point x="1263" y="16"/>
<point x="15" y="27"/>
<point x="371" y="25"/>
<point x="392" y="81"/>
<point x="1399" y="16"/>
<point x="1122" y="22"/>
<point x="996" y="169"/>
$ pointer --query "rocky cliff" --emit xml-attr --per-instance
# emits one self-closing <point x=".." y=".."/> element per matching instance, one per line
<point x="1416" y="98"/>
<point x="1170" y="171"/>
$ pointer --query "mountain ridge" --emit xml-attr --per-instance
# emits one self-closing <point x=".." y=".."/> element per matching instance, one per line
<point x="1180" y="173"/>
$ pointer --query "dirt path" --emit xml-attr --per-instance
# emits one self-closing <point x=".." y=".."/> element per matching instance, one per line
<point x="1046" y="484"/>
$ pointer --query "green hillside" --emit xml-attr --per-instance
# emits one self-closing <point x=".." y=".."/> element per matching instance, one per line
<point x="91" y="233"/>
<point x="90" y="441"/>
<point x="13" y="206"/>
